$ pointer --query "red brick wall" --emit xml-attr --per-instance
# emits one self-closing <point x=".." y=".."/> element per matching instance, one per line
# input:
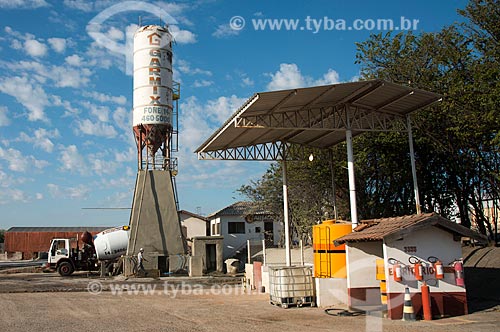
<point x="30" y="243"/>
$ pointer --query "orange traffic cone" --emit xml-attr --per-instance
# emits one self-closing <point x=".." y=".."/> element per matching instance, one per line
<point x="408" y="313"/>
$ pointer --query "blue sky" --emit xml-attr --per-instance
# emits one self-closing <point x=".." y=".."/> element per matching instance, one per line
<point x="66" y="97"/>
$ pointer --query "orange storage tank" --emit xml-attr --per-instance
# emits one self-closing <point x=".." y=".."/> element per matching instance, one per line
<point x="330" y="260"/>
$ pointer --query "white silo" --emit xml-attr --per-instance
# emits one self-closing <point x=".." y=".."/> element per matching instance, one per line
<point x="153" y="94"/>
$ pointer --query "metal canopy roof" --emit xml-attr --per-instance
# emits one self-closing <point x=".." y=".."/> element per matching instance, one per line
<point x="270" y="124"/>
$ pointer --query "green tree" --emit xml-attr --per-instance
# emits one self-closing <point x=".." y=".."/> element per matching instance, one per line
<point x="456" y="143"/>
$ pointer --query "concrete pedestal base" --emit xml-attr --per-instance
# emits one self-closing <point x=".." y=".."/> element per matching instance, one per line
<point x="195" y="266"/>
<point x="330" y="291"/>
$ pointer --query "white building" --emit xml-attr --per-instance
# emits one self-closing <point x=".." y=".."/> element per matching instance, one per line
<point x="240" y="222"/>
<point x="422" y="238"/>
<point x="193" y="225"/>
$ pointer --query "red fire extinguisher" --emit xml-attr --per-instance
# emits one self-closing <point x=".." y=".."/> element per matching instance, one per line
<point x="396" y="272"/>
<point x="458" y="266"/>
<point x="419" y="271"/>
<point x="439" y="270"/>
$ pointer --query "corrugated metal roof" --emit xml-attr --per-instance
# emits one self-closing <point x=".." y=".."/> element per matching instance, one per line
<point x="238" y="209"/>
<point x="364" y="98"/>
<point x="58" y="229"/>
<point x="380" y="229"/>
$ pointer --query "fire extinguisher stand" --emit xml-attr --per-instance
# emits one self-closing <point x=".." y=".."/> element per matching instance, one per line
<point x="426" y="301"/>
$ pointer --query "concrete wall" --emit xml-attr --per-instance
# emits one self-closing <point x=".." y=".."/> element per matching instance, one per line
<point x="233" y="242"/>
<point x="194" y="226"/>
<point x="363" y="288"/>
<point x="447" y="299"/>
<point x="199" y="250"/>
<point x="361" y="258"/>
<point x="429" y="242"/>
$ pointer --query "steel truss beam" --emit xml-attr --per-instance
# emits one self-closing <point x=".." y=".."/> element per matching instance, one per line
<point x="327" y="118"/>
<point x="262" y="152"/>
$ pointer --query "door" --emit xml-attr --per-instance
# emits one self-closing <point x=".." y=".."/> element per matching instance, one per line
<point x="269" y="232"/>
<point x="58" y="250"/>
<point x="211" y="257"/>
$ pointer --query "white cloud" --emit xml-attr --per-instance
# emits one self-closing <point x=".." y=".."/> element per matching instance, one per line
<point x="20" y="163"/>
<point x="182" y="36"/>
<point x="115" y="34"/>
<point x="68" y="77"/>
<point x="4" y="119"/>
<point x="122" y="118"/>
<point x="69" y="109"/>
<point x="74" y="60"/>
<point x="225" y="31"/>
<point x="78" y="192"/>
<point x="202" y="83"/>
<point x="127" y="156"/>
<point x="246" y="81"/>
<point x="290" y="77"/>
<point x="199" y="119"/>
<point x="38" y="196"/>
<point x="101" y="113"/>
<point x="104" y="98"/>
<point x="22" y="4"/>
<point x="40" y="138"/>
<point x="330" y="77"/>
<point x="83" y="5"/>
<point x="223" y="107"/>
<point x="287" y="77"/>
<point x="101" y="166"/>
<point x="34" y="48"/>
<point x="10" y="180"/>
<point x="172" y="8"/>
<point x="12" y="195"/>
<point x="57" y="44"/>
<point x="62" y="76"/>
<point x="184" y="67"/>
<point x="71" y="160"/>
<point x="30" y="95"/>
<point x="89" y="127"/>
<point x="16" y="44"/>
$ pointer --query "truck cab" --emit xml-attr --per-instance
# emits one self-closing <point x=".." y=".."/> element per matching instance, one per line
<point x="66" y="259"/>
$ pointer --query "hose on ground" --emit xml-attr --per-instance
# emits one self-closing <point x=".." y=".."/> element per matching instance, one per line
<point x="342" y="312"/>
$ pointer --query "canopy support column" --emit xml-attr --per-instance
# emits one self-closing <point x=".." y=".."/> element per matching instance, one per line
<point x="332" y="174"/>
<point x="413" y="167"/>
<point x="285" y="214"/>
<point x="352" y="183"/>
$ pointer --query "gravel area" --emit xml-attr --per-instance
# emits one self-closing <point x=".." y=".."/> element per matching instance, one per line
<point x="82" y="304"/>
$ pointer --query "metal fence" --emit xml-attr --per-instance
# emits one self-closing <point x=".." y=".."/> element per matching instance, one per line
<point x="264" y="251"/>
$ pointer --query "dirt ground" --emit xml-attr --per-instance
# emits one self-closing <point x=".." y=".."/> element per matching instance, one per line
<point x="46" y="302"/>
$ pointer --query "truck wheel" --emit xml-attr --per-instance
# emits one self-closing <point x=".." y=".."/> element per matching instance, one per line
<point x="65" y="269"/>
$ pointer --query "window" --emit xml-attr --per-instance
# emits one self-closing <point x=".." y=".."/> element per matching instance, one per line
<point x="216" y="228"/>
<point x="257" y="229"/>
<point x="236" y="228"/>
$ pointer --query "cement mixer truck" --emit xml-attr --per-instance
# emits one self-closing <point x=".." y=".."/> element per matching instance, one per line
<point x="66" y="256"/>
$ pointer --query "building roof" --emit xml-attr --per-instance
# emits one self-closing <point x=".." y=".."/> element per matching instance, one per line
<point x="194" y="215"/>
<point x="314" y="117"/>
<point x="241" y="208"/>
<point x="59" y="229"/>
<point x="396" y="227"/>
